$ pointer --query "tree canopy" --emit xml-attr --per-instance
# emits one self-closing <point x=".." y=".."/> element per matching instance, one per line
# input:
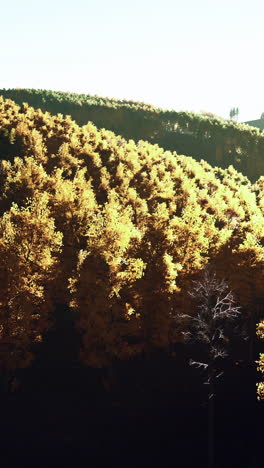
<point x="117" y="230"/>
<point x="205" y="136"/>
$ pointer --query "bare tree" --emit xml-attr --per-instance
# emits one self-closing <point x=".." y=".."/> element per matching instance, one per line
<point x="216" y="308"/>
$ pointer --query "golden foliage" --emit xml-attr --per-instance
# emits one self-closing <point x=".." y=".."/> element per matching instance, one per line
<point x="260" y="362"/>
<point x="28" y="247"/>
<point x="117" y="230"/>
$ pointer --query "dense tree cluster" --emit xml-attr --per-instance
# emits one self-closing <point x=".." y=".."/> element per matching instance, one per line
<point x="117" y="230"/>
<point x="220" y="142"/>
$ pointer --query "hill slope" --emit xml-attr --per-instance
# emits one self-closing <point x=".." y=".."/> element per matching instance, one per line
<point x="218" y="141"/>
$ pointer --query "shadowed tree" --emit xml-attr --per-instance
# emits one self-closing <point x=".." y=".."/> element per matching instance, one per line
<point x="260" y="362"/>
<point x="209" y="327"/>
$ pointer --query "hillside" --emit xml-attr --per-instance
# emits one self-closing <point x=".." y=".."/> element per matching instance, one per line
<point x="219" y="142"/>
<point x="116" y="230"/>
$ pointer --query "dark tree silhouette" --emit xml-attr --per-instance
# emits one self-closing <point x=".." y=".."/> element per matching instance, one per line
<point x="234" y="113"/>
<point x="216" y="309"/>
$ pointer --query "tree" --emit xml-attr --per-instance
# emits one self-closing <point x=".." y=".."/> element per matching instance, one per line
<point x="29" y="245"/>
<point x="260" y="385"/>
<point x="234" y="112"/>
<point x="101" y="282"/>
<point x="216" y="308"/>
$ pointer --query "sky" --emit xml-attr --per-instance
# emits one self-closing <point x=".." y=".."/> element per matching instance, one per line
<point x="189" y="55"/>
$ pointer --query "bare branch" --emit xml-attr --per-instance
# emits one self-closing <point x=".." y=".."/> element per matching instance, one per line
<point x="198" y="364"/>
<point x="216" y="307"/>
<point x="216" y="353"/>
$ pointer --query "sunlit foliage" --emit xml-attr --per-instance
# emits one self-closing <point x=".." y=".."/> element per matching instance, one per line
<point x="117" y="230"/>
<point x="219" y="141"/>
<point x="260" y="385"/>
<point x="29" y="245"/>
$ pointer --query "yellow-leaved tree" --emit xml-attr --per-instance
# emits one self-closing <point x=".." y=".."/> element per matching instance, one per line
<point x="29" y="245"/>
<point x="99" y="282"/>
<point x="260" y="362"/>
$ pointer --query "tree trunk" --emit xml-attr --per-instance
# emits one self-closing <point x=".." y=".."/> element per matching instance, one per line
<point x="211" y="426"/>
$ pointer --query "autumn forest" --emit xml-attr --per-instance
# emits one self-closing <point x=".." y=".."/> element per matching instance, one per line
<point x="115" y="214"/>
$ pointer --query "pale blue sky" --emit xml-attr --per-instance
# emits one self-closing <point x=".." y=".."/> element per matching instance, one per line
<point x="183" y="55"/>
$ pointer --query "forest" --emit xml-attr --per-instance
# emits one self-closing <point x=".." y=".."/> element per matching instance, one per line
<point x="122" y="226"/>
<point x="206" y="136"/>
